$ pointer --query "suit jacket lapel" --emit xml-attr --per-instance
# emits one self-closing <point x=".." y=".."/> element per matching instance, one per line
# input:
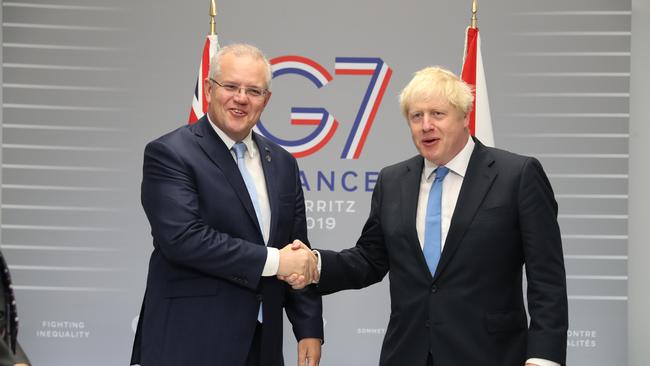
<point x="478" y="179"/>
<point x="217" y="151"/>
<point x="409" y="199"/>
<point x="268" y="165"/>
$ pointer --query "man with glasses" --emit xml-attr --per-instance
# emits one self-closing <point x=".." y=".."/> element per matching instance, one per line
<point x="221" y="201"/>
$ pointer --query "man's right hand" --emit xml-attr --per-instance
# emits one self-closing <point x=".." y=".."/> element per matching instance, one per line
<point x="297" y="258"/>
<point x="298" y="281"/>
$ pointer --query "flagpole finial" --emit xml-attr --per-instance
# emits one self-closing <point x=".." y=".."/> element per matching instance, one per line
<point x="213" y="13"/>
<point x="474" y="11"/>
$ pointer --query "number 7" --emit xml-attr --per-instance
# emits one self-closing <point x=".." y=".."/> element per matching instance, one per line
<point x="381" y="74"/>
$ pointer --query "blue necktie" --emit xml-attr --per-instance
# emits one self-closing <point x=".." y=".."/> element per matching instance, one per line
<point x="432" y="225"/>
<point x="240" y="150"/>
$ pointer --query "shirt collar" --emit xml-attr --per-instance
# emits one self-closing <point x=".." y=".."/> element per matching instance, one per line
<point x="458" y="164"/>
<point x="248" y="140"/>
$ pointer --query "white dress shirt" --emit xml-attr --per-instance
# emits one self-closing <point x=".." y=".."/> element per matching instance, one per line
<point x="254" y="166"/>
<point x="450" y="191"/>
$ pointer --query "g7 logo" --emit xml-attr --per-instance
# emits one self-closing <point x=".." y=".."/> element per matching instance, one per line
<point x="326" y="124"/>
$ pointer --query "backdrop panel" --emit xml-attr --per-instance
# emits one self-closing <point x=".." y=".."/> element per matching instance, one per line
<point x="87" y="83"/>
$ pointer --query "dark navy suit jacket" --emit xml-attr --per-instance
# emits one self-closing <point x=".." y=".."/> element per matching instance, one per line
<point x="471" y="311"/>
<point x="204" y="285"/>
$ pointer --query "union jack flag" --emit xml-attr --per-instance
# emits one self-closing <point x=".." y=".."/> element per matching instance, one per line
<point x="199" y="103"/>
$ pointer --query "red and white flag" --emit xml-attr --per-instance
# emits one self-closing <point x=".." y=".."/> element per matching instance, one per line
<point x="480" y="122"/>
<point x="199" y="103"/>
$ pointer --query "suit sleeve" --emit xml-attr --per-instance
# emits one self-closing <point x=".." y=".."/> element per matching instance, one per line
<point x="170" y="199"/>
<point x="364" y="264"/>
<point x="547" y="297"/>
<point x="304" y="307"/>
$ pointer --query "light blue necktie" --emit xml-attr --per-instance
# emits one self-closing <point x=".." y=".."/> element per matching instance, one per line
<point x="432" y="225"/>
<point x="240" y="150"/>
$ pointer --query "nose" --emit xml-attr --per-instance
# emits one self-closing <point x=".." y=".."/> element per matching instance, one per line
<point x="427" y="123"/>
<point x="240" y="96"/>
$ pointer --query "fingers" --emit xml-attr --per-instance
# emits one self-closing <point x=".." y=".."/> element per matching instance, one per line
<point x="297" y="244"/>
<point x="300" y="261"/>
<point x="298" y="265"/>
<point x="316" y="275"/>
<point x="298" y="282"/>
<point x="302" y="356"/>
<point x="309" y="352"/>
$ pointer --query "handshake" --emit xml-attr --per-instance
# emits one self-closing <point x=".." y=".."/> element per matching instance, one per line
<point x="298" y="265"/>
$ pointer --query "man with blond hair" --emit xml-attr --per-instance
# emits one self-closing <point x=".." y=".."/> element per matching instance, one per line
<point x="454" y="227"/>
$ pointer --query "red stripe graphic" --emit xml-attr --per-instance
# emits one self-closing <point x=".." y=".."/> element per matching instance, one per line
<point x="317" y="147"/>
<point x="305" y="122"/>
<point x="304" y="60"/>
<point x="354" y="72"/>
<point x="373" y="112"/>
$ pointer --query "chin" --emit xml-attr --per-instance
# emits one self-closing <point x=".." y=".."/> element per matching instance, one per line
<point x="430" y="156"/>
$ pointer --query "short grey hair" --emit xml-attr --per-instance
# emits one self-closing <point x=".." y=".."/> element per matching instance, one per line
<point x="240" y="49"/>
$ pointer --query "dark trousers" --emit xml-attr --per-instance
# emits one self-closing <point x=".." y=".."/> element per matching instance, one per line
<point x="254" y="353"/>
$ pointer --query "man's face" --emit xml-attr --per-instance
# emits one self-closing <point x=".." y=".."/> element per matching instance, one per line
<point x="438" y="129"/>
<point x="235" y="113"/>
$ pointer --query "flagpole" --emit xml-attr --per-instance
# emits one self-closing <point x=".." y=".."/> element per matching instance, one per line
<point x="210" y="47"/>
<point x="474" y="11"/>
<point x="213" y="13"/>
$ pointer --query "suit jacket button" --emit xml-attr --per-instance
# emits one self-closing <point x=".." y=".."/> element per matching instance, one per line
<point x="434" y="289"/>
<point x="427" y="324"/>
<point x="258" y="297"/>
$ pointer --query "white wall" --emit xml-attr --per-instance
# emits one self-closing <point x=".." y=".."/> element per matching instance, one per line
<point x="639" y="197"/>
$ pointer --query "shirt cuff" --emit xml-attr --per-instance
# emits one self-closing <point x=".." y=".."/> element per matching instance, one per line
<point x="272" y="263"/>
<point x="317" y="254"/>
<point x="541" y="362"/>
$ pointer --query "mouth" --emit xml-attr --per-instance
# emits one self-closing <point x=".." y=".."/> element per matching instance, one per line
<point x="430" y="141"/>
<point x="237" y="112"/>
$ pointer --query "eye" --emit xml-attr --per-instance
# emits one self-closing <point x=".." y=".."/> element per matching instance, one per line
<point x="231" y="88"/>
<point x="416" y="115"/>
<point x="254" y="92"/>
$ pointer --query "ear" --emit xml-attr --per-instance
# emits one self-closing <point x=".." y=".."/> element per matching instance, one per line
<point x="207" y="89"/>
<point x="267" y="97"/>
<point x="466" y="120"/>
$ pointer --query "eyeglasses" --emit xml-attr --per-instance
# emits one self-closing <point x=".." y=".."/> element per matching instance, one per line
<point x="250" y="91"/>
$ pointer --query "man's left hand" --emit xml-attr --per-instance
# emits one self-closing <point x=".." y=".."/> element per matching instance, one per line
<point x="309" y="352"/>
